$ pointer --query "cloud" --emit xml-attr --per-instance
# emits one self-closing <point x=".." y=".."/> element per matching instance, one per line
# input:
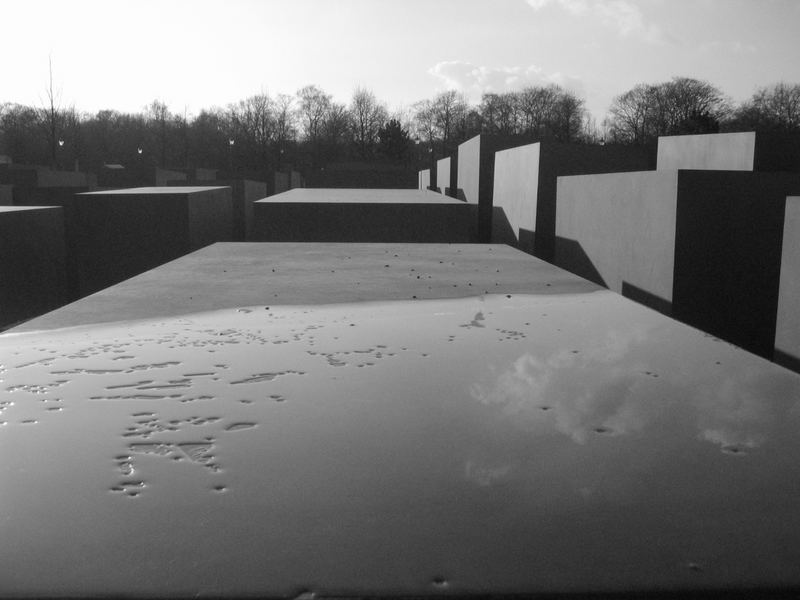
<point x="475" y="80"/>
<point x="729" y="48"/>
<point x="624" y="16"/>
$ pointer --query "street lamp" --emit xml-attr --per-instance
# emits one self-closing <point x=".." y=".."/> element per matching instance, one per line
<point x="230" y="155"/>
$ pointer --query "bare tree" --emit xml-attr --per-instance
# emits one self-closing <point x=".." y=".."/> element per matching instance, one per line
<point x="51" y="117"/>
<point x="254" y="124"/>
<point x="314" y="103"/>
<point x="771" y="108"/>
<point x="157" y="118"/>
<point x="682" y="105"/>
<point x="449" y="108"/>
<point x="368" y="116"/>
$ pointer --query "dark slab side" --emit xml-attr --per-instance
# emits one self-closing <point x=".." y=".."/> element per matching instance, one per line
<point x="32" y="262"/>
<point x="121" y="233"/>
<point x="363" y="216"/>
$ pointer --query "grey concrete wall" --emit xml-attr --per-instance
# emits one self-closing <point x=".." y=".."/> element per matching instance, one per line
<point x="475" y="176"/>
<point x="32" y="262"/>
<point x="244" y="192"/>
<point x="516" y="189"/>
<point x="618" y="229"/>
<point x="119" y="234"/>
<point x="703" y="246"/>
<point x="281" y="182"/>
<point x="164" y="176"/>
<point x="38" y="176"/>
<point x="443" y="174"/>
<point x="424" y="180"/>
<point x="276" y="221"/>
<point x="728" y="253"/>
<point x="787" y="328"/>
<point x="714" y="151"/>
<point x="469" y="173"/>
<point x="295" y="180"/>
<point x="6" y="194"/>
<point x="205" y="174"/>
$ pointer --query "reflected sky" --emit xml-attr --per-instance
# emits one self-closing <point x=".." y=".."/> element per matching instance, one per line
<point x="495" y="443"/>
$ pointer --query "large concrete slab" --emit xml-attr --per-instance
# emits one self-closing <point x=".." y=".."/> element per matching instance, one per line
<point x="443" y="175"/>
<point x="703" y="246"/>
<point x="424" y="180"/>
<point x="132" y="176"/>
<point x="121" y="233"/>
<point x="565" y="441"/>
<point x="281" y="182"/>
<point x="787" y="329"/>
<point x="38" y="176"/>
<point x="244" y="193"/>
<point x="6" y="195"/>
<point x="475" y="178"/>
<point x="32" y="262"/>
<point x="743" y="151"/>
<point x="525" y="186"/>
<point x="228" y="275"/>
<point x="359" y="215"/>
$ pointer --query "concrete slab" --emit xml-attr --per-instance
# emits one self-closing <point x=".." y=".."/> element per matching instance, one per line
<point x="244" y="193"/>
<point x="32" y="262"/>
<point x="38" y="176"/>
<point x="443" y="175"/>
<point x="365" y="216"/>
<point x="281" y="182"/>
<point x="424" y="179"/>
<point x="743" y="151"/>
<point x="6" y="195"/>
<point x="478" y="446"/>
<point x="525" y="186"/>
<point x="228" y="275"/>
<point x="787" y="329"/>
<point x="121" y="233"/>
<point x="475" y="177"/>
<point x="703" y="246"/>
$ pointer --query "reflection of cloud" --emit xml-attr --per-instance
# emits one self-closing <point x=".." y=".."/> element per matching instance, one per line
<point x="474" y="80"/>
<point x="483" y="475"/>
<point x="739" y="411"/>
<point x="618" y="386"/>
<point x="624" y="16"/>
<point x="599" y="389"/>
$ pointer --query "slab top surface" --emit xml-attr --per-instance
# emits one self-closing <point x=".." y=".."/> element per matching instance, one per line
<point x="361" y="196"/>
<point x="8" y="209"/>
<point x="490" y="444"/>
<point x="171" y="190"/>
<point x="311" y="420"/>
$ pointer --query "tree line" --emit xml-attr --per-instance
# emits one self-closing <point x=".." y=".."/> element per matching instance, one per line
<point x="310" y="129"/>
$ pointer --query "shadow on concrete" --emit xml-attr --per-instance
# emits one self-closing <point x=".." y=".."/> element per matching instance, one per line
<point x="502" y="231"/>
<point x="571" y="256"/>
<point x="646" y="298"/>
<point x="527" y="242"/>
<point x="787" y="360"/>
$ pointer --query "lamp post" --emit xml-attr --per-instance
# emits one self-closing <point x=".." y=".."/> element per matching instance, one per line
<point x="230" y="155"/>
<point x="60" y="145"/>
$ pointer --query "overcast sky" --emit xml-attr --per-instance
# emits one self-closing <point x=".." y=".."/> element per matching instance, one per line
<point x="199" y="53"/>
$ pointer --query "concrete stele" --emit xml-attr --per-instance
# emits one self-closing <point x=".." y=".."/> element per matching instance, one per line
<point x="787" y="330"/>
<point x="713" y="151"/>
